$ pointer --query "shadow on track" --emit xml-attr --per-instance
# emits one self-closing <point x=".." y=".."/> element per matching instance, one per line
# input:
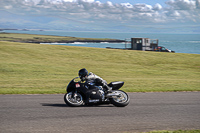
<point x="65" y="105"/>
<point x="54" y="105"/>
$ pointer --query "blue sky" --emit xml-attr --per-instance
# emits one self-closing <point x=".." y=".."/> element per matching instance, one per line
<point x="180" y="16"/>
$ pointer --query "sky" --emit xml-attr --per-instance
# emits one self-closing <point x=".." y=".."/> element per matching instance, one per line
<point x="150" y="2"/>
<point x="174" y="16"/>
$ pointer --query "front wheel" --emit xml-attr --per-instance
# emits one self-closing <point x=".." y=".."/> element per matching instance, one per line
<point x="74" y="101"/>
<point x="121" y="100"/>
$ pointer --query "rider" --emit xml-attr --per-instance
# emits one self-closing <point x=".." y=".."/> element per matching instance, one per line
<point x="92" y="78"/>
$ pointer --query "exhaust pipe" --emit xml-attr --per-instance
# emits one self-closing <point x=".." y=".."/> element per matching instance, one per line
<point x="113" y="94"/>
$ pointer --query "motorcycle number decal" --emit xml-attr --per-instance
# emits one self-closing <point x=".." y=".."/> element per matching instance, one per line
<point x="77" y="85"/>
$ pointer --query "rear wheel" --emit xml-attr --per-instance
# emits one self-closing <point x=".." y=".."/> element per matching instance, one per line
<point x="121" y="100"/>
<point x="74" y="101"/>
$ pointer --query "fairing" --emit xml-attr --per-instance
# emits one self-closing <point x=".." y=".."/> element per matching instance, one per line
<point x="116" y="85"/>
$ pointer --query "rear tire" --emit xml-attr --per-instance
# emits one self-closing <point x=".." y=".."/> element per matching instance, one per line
<point x="75" y="101"/>
<point x="120" y="101"/>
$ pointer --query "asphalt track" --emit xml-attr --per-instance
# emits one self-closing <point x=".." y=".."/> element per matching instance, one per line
<point x="146" y="112"/>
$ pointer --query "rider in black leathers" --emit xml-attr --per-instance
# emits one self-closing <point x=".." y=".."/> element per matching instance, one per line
<point x="92" y="78"/>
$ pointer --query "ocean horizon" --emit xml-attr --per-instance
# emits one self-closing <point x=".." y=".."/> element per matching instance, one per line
<point x="180" y="43"/>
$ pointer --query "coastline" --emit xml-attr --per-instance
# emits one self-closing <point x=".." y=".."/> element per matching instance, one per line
<point x="34" y="38"/>
<point x="181" y="43"/>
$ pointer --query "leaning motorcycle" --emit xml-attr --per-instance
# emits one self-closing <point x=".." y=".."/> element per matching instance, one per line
<point x="79" y="94"/>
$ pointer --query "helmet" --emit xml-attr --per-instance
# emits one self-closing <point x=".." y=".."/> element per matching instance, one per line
<point x="82" y="73"/>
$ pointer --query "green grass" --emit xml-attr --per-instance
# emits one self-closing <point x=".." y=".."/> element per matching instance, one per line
<point x="27" y="68"/>
<point x="16" y="37"/>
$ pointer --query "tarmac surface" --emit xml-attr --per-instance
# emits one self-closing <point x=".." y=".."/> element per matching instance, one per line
<point x="145" y="112"/>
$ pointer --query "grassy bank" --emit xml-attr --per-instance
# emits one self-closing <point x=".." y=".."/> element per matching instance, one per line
<point x="35" y="68"/>
<point x="32" y="38"/>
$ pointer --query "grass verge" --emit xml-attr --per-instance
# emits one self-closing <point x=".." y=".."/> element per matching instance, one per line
<point x="27" y="68"/>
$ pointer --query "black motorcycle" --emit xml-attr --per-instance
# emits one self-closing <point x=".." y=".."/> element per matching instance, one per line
<point x="83" y="93"/>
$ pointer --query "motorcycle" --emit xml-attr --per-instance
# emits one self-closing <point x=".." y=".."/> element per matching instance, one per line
<point x="83" y="93"/>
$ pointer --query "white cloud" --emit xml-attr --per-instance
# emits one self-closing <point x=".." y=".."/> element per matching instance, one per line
<point x="157" y="7"/>
<point x="142" y="7"/>
<point x="8" y="7"/>
<point x="182" y="4"/>
<point x="109" y="3"/>
<point x="176" y="11"/>
<point x="198" y="4"/>
<point x="127" y="5"/>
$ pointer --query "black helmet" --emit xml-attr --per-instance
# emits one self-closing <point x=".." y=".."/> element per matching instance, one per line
<point x="82" y="73"/>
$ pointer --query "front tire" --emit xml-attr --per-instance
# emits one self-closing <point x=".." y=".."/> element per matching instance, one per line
<point x="75" y="101"/>
<point x="120" y="101"/>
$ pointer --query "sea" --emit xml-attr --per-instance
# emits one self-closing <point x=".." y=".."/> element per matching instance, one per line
<point x="180" y="43"/>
